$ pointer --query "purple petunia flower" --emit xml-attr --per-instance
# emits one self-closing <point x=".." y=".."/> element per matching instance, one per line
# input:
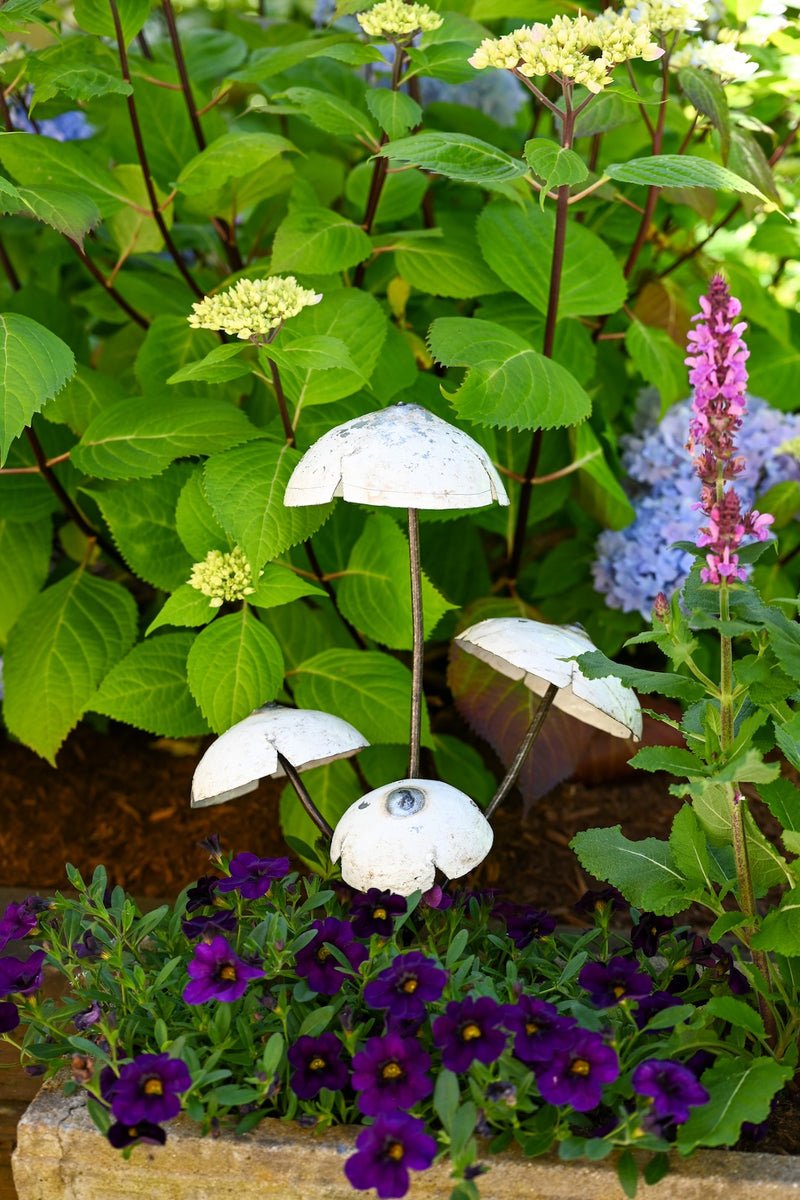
<point x="576" y="1075"/>
<point x="390" y="1072"/>
<point x="148" y="1089"/>
<point x="648" y="931"/>
<point x="525" y="924"/>
<point x="18" y="978"/>
<point x="386" y="1151"/>
<point x="539" y="1030"/>
<point x="252" y="876"/>
<point x="404" y="988"/>
<point x="469" y="1030"/>
<point x="317" y="1063"/>
<point x="614" y="982"/>
<point x="123" y="1134"/>
<point x="221" y="921"/>
<point x="672" y="1087"/>
<point x="373" y="912"/>
<point x="202" y="894"/>
<point x="217" y="973"/>
<point x="9" y="1016"/>
<point x="18" y="920"/>
<point x="321" y="970"/>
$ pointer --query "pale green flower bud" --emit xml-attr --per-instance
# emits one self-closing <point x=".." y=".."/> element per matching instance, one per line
<point x="253" y="307"/>
<point x="223" y="576"/>
<point x="393" y="18"/>
<point x="669" y="16"/>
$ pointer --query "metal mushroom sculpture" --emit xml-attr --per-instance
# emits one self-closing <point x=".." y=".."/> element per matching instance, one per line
<point x="272" y="742"/>
<point x="542" y="656"/>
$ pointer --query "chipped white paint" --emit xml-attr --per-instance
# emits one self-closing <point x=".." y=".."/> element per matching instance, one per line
<point x="248" y="751"/>
<point x="535" y="652"/>
<point x="394" y="837"/>
<point x="401" y="457"/>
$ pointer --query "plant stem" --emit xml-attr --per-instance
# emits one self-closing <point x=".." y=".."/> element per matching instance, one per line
<point x="556" y="269"/>
<point x="418" y="643"/>
<point x="142" y="156"/>
<point x="304" y="798"/>
<point x="380" y="168"/>
<point x="8" y="267"/>
<point x="512" y="774"/>
<point x="94" y="270"/>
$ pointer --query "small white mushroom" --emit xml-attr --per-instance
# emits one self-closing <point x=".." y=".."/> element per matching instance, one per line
<point x="394" y="837"/>
<point x="248" y="752"/>
<point x="535" y="652"/>
<point x="402" y="457"/>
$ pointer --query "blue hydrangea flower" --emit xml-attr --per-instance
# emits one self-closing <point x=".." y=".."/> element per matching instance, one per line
<point x="498" y="94"/>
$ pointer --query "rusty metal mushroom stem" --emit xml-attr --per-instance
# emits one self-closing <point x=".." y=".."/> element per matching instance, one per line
<point x="303" y="796"/>
<point x="418" y="627"/>
<point x="511" y="775"/>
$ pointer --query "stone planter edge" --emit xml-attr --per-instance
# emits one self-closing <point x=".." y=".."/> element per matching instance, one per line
<point x="60" y="1156"/>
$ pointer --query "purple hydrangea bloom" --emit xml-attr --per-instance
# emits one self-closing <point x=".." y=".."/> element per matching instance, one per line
<point x="386" y="1151"/>
<point x="404" y="988"/>
<point x="317" y="965"/>
<point x="470" y="1029"/>
<point x="615" y="981"/>
<point x="525" y="924"/>
<point x="217" y="973"/>
<point x="21" y="978"/>
<point x="539" y="1029"/>
<point x="9" y="1016"/>
<point x="390" y="1072"/>
<point x="576" y="1074"/>
<point x="317" y="1063"/>
<point x="672" y="1087"/>
<point x="220" y="921"/>
<point x="123" y="1134"/>
<point x="373" y="912"/>
<point x="252" y="876"/>
<point x="18" y="920"/>
<point x="148" y="1089"/>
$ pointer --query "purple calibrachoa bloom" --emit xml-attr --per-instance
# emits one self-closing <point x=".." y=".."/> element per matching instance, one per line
<point x="9" y="1016"/>
<point x="470" y="1029"/>
<point x="404" y="988"/>
<point x="148" y="1089"/>
<point x="390" y="1072"/>
<point x="202" y="894"/>
<point x="649" y="1006"/>
<point x="18" y="978"/>
<point x="374" y="911"/>
<point x="576" y="1075"/>
<point x="717" y="359"/>
<point x="672" y="1087"/>
<point x="123" y="1134"/>
<point x="317" y="1063"/>
<point x="385" y="1153"/>
<point x="90" y="1016"/>
<point x="252" y="876"/>
<point x="217" y="973"/>
<point x="615" y="981"/>
<point x="525" y="924"/>
<point x="317" y="965"/>
<point x="18" y="919"/>
<point x="649" y="929"/>
<point x="221" y="921"/>
<point x="540" y="1031"/>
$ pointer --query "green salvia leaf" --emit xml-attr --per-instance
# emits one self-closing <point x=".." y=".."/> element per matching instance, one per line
<point x="643" y="871"/>
<point x="740" y="1090"/>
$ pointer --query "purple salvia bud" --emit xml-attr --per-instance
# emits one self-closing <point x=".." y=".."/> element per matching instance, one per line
<point x="660" y="607"/>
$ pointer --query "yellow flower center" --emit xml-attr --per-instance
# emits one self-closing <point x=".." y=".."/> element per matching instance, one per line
<point x="379" y="914"/>
<point x="410" y="985"/>
<point x="470" y="1032"/>
<point x="154" y="1087"/>
<point x="392" y="1070"/>
<point x="531" y="1028"/>
<point x="316" y="1064"/>
<point x="323" y="953"/>
<point x="395" y="1151"/>
<point x="619" y="991"/>
<point x="580" y="1067"/>
<point x="228" y="972"/>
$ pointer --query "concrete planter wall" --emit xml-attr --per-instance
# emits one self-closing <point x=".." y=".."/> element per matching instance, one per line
<point x="61" y="1156"/>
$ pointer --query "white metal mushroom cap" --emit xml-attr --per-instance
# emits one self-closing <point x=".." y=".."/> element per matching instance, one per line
<point x="534" y="652"/>
<point x="248" y="752"/>
<point x="395" y="837"/>
<point x="402" y="457"/>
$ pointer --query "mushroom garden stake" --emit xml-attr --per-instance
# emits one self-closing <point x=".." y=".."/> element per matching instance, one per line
<point x="399" y="457"/>
<point x="535" y="653"/>
<point x="272" y="742"/>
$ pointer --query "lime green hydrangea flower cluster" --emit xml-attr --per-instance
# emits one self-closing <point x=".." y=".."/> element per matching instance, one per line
<point x="668" y="16"/>
<point x="721" y="57"/>
<point x="568" y="47"/>
<point x="392" y="19"/>
<point x="223" y="576"/>
<point x="253" y="307"/>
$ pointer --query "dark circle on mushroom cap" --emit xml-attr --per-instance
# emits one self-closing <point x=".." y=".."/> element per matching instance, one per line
<point x="405" y="801"/>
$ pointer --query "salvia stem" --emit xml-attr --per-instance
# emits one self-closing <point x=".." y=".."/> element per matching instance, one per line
<point x="531" y="734"/>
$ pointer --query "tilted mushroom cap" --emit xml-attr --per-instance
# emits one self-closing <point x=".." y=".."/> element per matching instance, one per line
<point x="533" y="651"/>
<point x="394" y="837"/>
<point x="402" y="457"/>
<point x="248" y="752"/>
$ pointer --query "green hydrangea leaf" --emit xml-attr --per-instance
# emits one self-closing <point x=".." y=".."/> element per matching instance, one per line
<point x="277" y="586"/>
<point x="332" y="113"/>
<point x="231" y="156"/>
<point x="25" y="548"/>
<point x="370" y="690"/>
<point x="395" y="112"/>
<point x="318" y="241"/>
<point x="83" y="396"/>
<point x="197" y="527"/>
<point x="149" y="689"/>
<point x="63" y="644"/>
<point x="706" y="93"/>
<point x="658" y="359"/>
<point x="80" y="68"/>
<point x="235" y="665"/>
<point x="457" y="156"/>
<point x="36" y="161"/>
<point x="95" y="17"/>
<point x="681" y="171"/>
<point x="34" y="365"/>
<point x="169" y="345"/>
<point x="67" y="211"/>
<point x="554" y="165"/>
<point x="450" y="265"/>
<point x="185" y="607"/>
